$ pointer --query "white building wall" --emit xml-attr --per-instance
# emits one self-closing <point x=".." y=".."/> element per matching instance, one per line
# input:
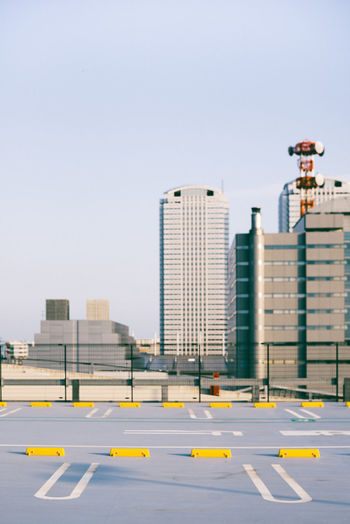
<point x="193" y="263"/>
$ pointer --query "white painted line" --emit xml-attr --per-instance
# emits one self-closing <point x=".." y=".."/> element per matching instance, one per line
<point x="266" y="493"/>
<point x="215" y="433"/>
<point x="3" y="409"/>
<point x="91" y="413"/>
<point x="310" y="413"/>
<point x="208" y="414"/>
<point x="107" y="413"/>
<point x="295" y="413"/>
<point x="191" y="412"/>
<point x="315" y="433"/>
<point x="76" y="492"/>
<point x="10" y="412"/>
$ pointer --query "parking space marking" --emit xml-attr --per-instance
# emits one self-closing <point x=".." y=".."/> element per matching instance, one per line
<point x="107" y="413"/>
<point x="89" y="415"/>
<point x="315" y="433"/>
<point x="266" y="493"/>
<point x="310" y="413"/>
<point x="206" y="412"/>
<point x="215" y="433"/>
<point x="95" y="410"/>
<point x="10" y="412"/>
<point x="191" y="412"/>
<point x="76" y="492"/>
<point x="295" y="414"/>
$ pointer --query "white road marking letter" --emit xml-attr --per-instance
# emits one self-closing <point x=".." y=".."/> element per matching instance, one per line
<point x="266" y="493"/>
<point x="77" y="491"/>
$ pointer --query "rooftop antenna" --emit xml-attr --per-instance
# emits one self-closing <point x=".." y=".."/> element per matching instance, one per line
<point x="307" y="182"/>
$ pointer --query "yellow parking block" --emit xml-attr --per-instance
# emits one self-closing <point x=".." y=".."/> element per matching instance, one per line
<point x="173" y="405"/>
<point x="83" y="405"/>
<point x="52" y="452"/>
<point x="347" y="404"/>
<point x="129" y="404"/>
<point x="220" y="405"/>
<point x="40" y="404"/>
<point x="264" y="405"/>
<point x="211" y="453"/>
<point x="299" y="453"/>
<point x="129" y="452"/>
<point x="3" y="404"/>
<point x="312" y="405"/>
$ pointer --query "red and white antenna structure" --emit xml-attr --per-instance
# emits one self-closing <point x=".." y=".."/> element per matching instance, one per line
<point x="307" y="181"/>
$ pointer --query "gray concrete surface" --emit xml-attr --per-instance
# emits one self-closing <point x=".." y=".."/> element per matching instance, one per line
<point x="89" y="486"/>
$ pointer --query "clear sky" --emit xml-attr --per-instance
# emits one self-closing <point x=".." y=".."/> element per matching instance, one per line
<point x="106" y="104"/>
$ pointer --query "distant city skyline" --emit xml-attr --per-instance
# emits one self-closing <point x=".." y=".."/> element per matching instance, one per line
<point x="107" y="105"/>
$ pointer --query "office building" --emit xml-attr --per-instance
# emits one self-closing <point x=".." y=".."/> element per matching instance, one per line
<point x="290" y="199"/>
<point x="97" y="309"/>
<point x="193" y="271"/>
<point x="291" y="290"/>
<point x="57" y="309"/>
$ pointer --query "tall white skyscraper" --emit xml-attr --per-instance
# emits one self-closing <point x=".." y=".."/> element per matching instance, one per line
<point x="290" y="199"/>
<point x="193" y="270"/>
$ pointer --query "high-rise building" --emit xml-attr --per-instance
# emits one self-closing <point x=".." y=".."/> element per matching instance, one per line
<point x="97" y="309"/>
<point x="57" y="309"/>
<point x="290" y="199"/>
<point x="193" y="270"/>
<point x="291" y="290"/>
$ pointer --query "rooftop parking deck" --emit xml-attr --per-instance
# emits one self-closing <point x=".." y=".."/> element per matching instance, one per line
<point x="87" y="485"/>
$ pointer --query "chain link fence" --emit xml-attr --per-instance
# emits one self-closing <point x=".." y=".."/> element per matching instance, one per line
<point x="105" y="372"/>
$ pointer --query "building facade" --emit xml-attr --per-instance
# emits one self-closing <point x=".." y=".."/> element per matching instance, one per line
<point x="57" y="309"/>
<point x="290" y="199"/>
<point x="97" y="309"/>
<point x="290" y="290"/>
<point x="193" y="271"/>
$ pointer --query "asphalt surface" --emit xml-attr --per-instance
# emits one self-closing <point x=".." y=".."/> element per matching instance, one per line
<point x="255" y="485"/>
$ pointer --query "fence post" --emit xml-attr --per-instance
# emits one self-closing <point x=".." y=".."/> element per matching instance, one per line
<point x="337" y="371"/>
<point x="65" y="372"/>
<point x="268" y="371"/>
<point x="132" y="372"/>
<point x="0" y="373"/>
<point x="199" y="374"/>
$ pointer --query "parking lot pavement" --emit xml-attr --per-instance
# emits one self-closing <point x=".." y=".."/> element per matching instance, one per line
<point x="255" y="485"/>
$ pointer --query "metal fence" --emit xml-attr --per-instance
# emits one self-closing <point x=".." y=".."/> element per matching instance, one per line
<point x="71" y="372"/>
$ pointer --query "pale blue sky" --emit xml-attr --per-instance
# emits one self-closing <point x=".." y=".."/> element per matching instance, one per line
<point x="105" y="105"/>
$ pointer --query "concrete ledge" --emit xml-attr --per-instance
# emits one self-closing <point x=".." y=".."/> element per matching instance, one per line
<point x="312" y="405"/>
<point x="220" y="405"/>
<point x="51" y="452"/>
<point x="173" y="405"/>
<point x="83" y="404"/>
<point x="264" y="405"/>
<point x="40" y="404"/>
<point x="299" y="453"/>
<point x="211" y="453"/>
<point x="129" y="452"/>
<point x="129" y="404"/>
